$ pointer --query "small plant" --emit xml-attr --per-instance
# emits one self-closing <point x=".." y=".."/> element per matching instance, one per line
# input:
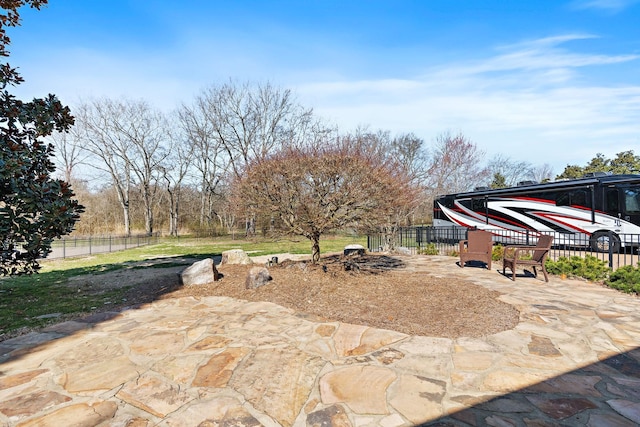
<point x="561" y="267"/>
<point x="497" y="253"/>
<point x="625" y="279"/>
<point x="588" y="267"/>
<point x="430" y="249"/>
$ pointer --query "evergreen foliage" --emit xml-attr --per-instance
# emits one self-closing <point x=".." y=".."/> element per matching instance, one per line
<point x="625" y="279"/>
<point x="587" y="267"/>
<point x="34" y="208"/>
<point x="625" y="162"/>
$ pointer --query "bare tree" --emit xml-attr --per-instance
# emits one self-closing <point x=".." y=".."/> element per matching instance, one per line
<point x="127" y="139"/>
<point x="406" y="149"/>
<point x="174" y="172"/>
<point x="69" y="153"/>
<point x="109" y="150"/>
<point x="511" y="170"/>
<point x="209" y="157"/>
<point x="411" y="153"/>
<point x="314" y="189"/>
<point x="541" y="173"/>
<point x="146" y="129"/>
<point x="250" y="121"/>
<point x="455" y="165"/>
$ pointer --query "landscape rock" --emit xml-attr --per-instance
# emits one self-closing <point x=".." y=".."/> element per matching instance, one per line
<point x="402" y="250"/>
<point x="236" y="256"/>
<point x="258" y="276"/>
<point x="200" y="273"/>
<point x="354" y="250"/>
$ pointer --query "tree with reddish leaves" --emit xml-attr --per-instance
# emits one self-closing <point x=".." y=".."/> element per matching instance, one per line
<point x="316" y="189"/>
<point x="34" y="208"/>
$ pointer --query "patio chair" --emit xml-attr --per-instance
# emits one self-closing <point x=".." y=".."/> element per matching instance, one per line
<point x="477" y="247"/>
<point x="527" y="256"/>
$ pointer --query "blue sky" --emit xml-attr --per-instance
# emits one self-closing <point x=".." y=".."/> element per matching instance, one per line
<point x="542" y="81"/>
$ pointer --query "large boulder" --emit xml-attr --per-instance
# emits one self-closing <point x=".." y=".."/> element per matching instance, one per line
<point x="258" y="276"/>
<point x="200" y="273"/>
<point x="236" y="256"/>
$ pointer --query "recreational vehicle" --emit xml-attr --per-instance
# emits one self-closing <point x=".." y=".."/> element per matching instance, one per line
<point x="599" y="211"/>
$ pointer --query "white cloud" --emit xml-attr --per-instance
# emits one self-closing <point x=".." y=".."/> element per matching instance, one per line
<point x="528" y="102"/>
<point x="541" y="54"/>
<point x="533" y="101"/>
<point x="611" y="6"/>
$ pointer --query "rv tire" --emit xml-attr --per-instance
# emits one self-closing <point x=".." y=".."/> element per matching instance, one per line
<point x="603" y="241"/>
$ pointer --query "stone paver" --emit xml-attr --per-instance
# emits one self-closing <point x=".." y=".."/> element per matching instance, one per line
<point x="572" y="360"/>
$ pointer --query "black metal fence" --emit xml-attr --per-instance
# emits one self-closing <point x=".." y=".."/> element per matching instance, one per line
<point x="82" y="246"/>
<point x="615" y="249"/>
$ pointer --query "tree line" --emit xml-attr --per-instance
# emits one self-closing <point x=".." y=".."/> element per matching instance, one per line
<point x="136" y="168"/>
<point x="248" y="156"/>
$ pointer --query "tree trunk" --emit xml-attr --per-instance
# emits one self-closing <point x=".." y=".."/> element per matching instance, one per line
<point x="171" y="211"/>
<point x="315" y="248"/>
<point x="390" y="237"/>
<point x="250" y="226"/>
<point x="176" y="214"/>
<point x="148" y="210"/>
<point x="127" y="218"/>
<point x="148" y="220"/>
<point x="203" y="202"/>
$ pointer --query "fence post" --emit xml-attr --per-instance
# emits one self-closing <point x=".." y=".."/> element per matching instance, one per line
<point x="64" y="248"/>
<point x="610" y="233"/>
<point x="89" y="245"/>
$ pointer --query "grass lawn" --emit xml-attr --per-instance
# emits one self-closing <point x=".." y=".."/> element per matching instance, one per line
<point x="35" y="301"/>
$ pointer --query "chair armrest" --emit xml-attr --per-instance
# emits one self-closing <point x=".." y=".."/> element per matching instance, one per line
<point x="462" y="244"/>
<point x="521" y="247"/>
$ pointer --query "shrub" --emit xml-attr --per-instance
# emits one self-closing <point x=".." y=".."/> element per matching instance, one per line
<point x="625" y="279"/>
<point x="562" y="266"/>
<point x="497" y="253"/>
<point x="430" y="249"/>
<point x="588" y="267"/>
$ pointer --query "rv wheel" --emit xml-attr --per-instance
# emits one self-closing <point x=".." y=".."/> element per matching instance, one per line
<point x="600" y="242"/>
